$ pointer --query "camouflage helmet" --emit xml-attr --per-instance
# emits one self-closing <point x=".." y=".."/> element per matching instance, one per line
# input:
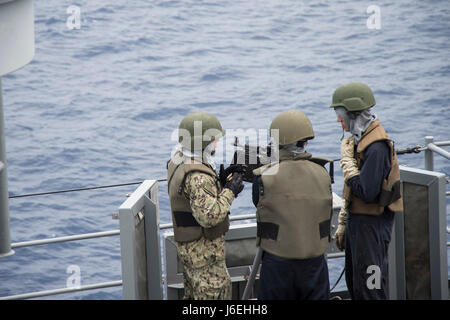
<point x="292" y="126"/>
<point x="354" y="97"/>
<point x="197" y="130"/>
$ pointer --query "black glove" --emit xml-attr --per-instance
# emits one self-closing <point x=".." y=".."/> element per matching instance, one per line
<point x="235" y="184"/>
<point x="224" y="173"/>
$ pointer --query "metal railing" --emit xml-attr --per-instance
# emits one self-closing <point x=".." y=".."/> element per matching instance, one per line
<point x="429" y="148"/>
<point x="52" y="292"/>
<point x="58" y="291"/>
<point x="106" y="234"/>
<point x="78" y="237"/>
<point x="75" y="237"/>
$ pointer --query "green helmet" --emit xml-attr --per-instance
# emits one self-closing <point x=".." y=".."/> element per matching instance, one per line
<point x="292" y="126"/>
<point x="197" y="130"/>
<point x="354" y="97"/>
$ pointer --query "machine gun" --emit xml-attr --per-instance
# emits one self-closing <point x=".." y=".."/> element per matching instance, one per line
<point x="247" y="158"/>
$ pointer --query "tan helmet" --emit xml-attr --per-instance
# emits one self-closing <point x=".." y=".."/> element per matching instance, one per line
<point x="197" y="130"/>
<point x="292" y="126"/>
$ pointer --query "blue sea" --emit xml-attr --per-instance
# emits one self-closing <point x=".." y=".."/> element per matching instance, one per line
<point x="99" y="105"/>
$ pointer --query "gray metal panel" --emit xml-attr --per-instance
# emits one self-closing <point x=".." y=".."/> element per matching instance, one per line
<point x="417" y="244"/>
<point x="153" y="248"/>
<point x="435" y="232"/>
<point x="171" y="265"/>
<point x="240" y="252"/>
<point x="133" y="239"/>
<point x="171" y="259"/>
<point x="438" y="239"/>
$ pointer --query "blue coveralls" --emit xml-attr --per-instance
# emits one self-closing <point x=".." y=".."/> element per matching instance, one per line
<point x="367" y="237"/>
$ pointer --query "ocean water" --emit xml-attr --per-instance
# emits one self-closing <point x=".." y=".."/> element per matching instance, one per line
<point x="98" y="105"/>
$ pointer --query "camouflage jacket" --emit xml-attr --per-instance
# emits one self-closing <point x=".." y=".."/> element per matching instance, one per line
<point x="209" y="207"/>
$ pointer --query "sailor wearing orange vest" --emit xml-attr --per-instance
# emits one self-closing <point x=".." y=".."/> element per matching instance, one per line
<point x="371" y="192"/>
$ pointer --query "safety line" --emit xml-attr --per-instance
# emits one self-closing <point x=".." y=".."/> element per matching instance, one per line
<point x="78" y="189"/>
<point x="415" y="149"/>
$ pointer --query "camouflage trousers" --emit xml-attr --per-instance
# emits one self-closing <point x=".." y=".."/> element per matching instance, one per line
<point x="211" y="282"/>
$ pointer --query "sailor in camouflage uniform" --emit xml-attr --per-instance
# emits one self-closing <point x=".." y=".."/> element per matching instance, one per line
<point x="200" y="208"/>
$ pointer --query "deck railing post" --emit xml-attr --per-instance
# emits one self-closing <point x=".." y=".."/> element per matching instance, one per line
<point x="5" y="238"/>
<point x="429" y="157"/>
